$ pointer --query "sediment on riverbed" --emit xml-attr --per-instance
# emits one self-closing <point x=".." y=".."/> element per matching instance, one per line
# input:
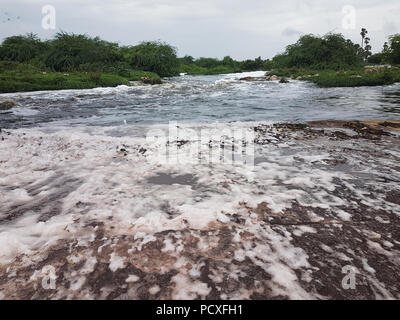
<point x="109" y="221"/>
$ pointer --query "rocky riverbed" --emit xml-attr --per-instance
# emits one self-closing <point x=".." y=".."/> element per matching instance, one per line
<point x="94" y="215"/>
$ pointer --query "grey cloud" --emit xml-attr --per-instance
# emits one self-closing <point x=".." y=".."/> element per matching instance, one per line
<point x="242" y="29"/>
<point x="290" y="32"/>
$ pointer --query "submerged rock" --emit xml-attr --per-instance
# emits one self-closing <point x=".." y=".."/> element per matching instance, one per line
<point x="390" y="124"/>
<point x="6" y="105"/>
<point x="254" y="79"/>
<point x="151" y="81"/>
<point x="267" y="78"/>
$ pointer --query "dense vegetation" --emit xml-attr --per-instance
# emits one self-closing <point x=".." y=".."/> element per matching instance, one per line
<point x="15" y="77"/>
<point x="210" y="66"/>
<point x="331" y="51"/>
<point x="79" y="61"/>
<point x="345" y="78"/>
<point x="333" y="61"/>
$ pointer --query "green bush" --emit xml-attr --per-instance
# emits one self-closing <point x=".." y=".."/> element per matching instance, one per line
<point x="331" y="79"/>
<point x="22" y="48"/>
<point x="29" y="79"/>
<point x="331" y="51"/>
<point x="71" y="52"/>
<point x="157" y="57"/>
<point x="394" y="52"/>
<point x="377" y="58"/>
<point x="349" y="78"/>
<point x="95" y="77"/>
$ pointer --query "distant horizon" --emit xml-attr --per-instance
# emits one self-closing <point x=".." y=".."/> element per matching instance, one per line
<point x="207" y="28"/>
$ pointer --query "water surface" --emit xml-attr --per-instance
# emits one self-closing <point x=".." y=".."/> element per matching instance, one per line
<point x="200" y="99"/>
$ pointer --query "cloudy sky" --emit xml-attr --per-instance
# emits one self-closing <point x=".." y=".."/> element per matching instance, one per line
<point x="212" y="28"/>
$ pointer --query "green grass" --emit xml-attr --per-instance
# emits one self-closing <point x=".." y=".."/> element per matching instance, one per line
<point x="197" y="70"/>
<point x="135" y="75"/>
<point x="12" y="82"/>
<point x="16" y="77"/>
<point x="345" y="78"/>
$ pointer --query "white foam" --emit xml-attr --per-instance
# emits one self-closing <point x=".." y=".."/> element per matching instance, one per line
<point x="90" y="180"/>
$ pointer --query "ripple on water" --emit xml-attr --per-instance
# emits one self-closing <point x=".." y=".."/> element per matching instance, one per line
<point x="201" y="99"/>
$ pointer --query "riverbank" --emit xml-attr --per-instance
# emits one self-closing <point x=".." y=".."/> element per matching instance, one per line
<point x="15" y="77"/>
<point x="106" y="218"/>
<point x="368" y="76"/>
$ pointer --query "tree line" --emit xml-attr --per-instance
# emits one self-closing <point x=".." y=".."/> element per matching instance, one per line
<point x="334" y="52"/>
<point x="68" y="52"/>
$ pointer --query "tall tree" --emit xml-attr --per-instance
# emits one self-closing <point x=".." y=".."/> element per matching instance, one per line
<point x="363" y="34"/>
<point x="367" y="48"/>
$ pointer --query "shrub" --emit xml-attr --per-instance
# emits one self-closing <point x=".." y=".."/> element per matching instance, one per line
<point x="22" y="48"/>
<point x="394" y="51"/>
<point x="69" y="52"/>
<point x="331" y="51"/>
<point x="155" y="57"/>
<point x="95" y="77"/>
<point x="377" y="58"/>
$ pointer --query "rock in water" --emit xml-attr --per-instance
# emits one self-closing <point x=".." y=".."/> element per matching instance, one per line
<point x="150" y="80"/>
<point x="267" y="78"/>
<point x="6" y="105"/>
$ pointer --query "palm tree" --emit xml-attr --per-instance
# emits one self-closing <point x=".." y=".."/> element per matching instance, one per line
<point x="385" y="47"/>
<point x="363" y="35"/>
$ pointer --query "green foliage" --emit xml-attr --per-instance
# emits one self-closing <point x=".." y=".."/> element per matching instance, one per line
<point x="349" y="78"/>
<point x="193" y="69"/>
<point x="138" y="75"/>
<point x="79" y="61"/>
<point x="155" y="57"/>
<point x="22" y="48"/>
<point x="331" y="51"/>
<point x="209" y="66"/>
<point x="29" y="79"/>
<point x="95" y="77"/>
<point x="71" y="52"/>
<point x="377" y="58"/>
<point x="208" y="63"/>
<point x="27" y="63"/>
<point x="229" y="62"/>
<point x="344" y="80"/>
<point x="394" y="50"/>
<point x="186" y="60"/>
<point x="252" y="65"/>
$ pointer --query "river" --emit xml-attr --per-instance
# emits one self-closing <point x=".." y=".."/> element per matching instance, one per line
<point x="192" y="190"/>
<point x="200" y="99"/>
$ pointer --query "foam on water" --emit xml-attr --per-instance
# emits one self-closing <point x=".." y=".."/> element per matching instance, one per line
<point x="200" y="99"/>
<point x="55" y="186"/>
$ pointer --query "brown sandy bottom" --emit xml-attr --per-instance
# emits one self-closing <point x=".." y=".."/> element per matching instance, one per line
<point x="324" y="199"/>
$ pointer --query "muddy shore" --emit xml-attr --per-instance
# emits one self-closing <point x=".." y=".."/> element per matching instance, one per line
<point x="93" y="216"/>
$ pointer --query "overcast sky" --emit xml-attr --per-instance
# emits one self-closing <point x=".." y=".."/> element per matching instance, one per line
<point x="212" y="28"/>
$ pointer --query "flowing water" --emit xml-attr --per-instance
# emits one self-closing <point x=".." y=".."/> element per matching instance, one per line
<point x="84" y="194"/>
<point x="200" y="99"/>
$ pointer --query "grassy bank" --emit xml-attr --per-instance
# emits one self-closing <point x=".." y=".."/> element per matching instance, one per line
<point x="345" y="78"/>
<point x="19" y="77"/>
<point x="197" y="70"/>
